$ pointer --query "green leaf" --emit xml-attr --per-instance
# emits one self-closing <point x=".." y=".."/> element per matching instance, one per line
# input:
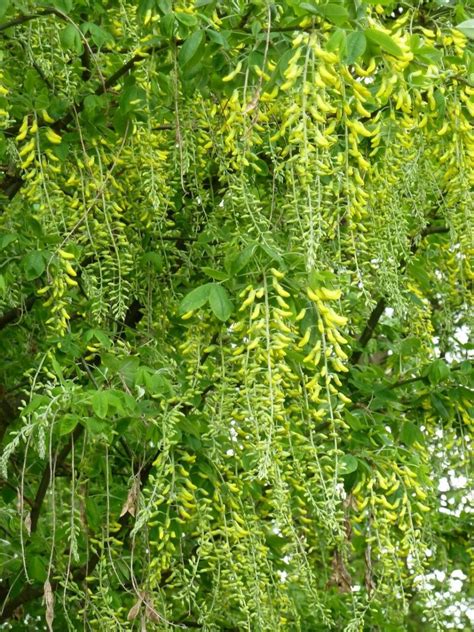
<point x="155" y="259"/>
<point x="195" y="299"/>
<point x="123" y="402"/>
<point x="167" y="24"/>
<point x="6" y="240"/>
<point x="467" y="27"/>
<point x="335" y="13"/>
<point x="271" y="252"/>
<point x="132" y="99"/>
<point x="220" y="303"/>
<point x="4" y="4"/>
<point x="438" y="371"/>
<point x="309" y="7"/>
<point x="440" y="103"/>
<point x="100" y="404"/>
<point x="165" y="6"/>
<point x="99" y="35"/>
<point x="186" y="18"/>
<point x="236" y="264"/>
<point x="385" y="42"/>
<point x="71" y="39"/>
<point x="67" y="424"/>
<point x="192" y="49"/>
<point x="218" y="275"/>
<point x="34" y="265"/>
<point x="156" y="383"/>
<point x="36" y="566"/>
<point x="218" y="38"/>
<point x="92" y="103"/>
<point x="337" y="42"/>
<point x="355" y="46"/>
<point x="63" y="5"/>
<point x="95" y="426"/>
<point x="348" y="464"/>
<point x="127" y="368"/>
<point x="99" y="335"/>
<point x="410" y="434"/>
<point x="439" y="406"/>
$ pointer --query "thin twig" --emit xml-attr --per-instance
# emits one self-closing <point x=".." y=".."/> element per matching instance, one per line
<point x="379" y="308"/>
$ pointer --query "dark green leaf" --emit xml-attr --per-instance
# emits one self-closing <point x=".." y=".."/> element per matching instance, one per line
<point x="218" y="275"/>
<point x="348" y="464"/>
<point x="6" y="240"/>
<point x="4" y="4"/>
<point x="71" y="39"/>
<point x="192" y="49"/>
<point x="335" y="13"/>
<point x="439" y="406"/>
<point x="218" y="38"/>
<point x="355" y="46"/>
<point x="437" y="371"/>
<point x="220" y="303"/>
<point x="95" y="426"/>
<point x="167" y="24"/>
<point x="236" y="264"/>
<point x="100" y="404"/>
<point x="36" y="566"/>
<point x="385" y="42"/>
<point x="99" y="35"/>
<point x="309" y="7"/>
<point x="410" y="434"/>
<point x="67" y="424"/>
<point x="165" y="6"/>
<point x="337" y="42"/>
<point x="186" y="18"/>
<point x="34" y="265"/>
<point x="155" y="259"/>
<point x="195" y="299"/>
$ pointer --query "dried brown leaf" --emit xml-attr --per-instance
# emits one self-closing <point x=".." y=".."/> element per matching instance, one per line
<point x="134" y="610"/>
<point x="48" y="597"/>
<point x="151" y="614"/>
<point x="340" y="576"/>
<point x="27" y="523"/>
<point x="130" y="505"/>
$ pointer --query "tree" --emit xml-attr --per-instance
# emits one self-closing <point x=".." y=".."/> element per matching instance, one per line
<point x="234" y="282"/>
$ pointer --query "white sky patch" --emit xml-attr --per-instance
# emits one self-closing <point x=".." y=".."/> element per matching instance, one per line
<point x="283" y="576"/>
<point x="462" y="335"/>
<point x="443" y="485"/>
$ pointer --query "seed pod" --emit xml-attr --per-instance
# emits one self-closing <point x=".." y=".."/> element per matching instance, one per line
<point x="69" y="269"/>
<point x="65" y="255"/>
<point x="23" y="129"/>
<point x="328" y="295"/>
<point x="234" y="73"/>
<point x="53" y="138"/>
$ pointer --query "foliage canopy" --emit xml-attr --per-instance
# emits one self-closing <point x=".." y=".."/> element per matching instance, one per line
<point x="209" y="416"/>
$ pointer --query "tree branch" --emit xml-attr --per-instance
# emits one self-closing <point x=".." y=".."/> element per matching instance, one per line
<point x="46" y="477"/>
<point x="33" y="591"/>
<point x="16" y="312"/>
<point x="369" y="329"/>
<point x="6" y="483"/>
<point x="22" y="19"/>
<point x="13" y="183"/>
<point x="379" y="308"/>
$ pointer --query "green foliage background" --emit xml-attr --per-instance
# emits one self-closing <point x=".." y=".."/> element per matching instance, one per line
<point x="209" y="418"/>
